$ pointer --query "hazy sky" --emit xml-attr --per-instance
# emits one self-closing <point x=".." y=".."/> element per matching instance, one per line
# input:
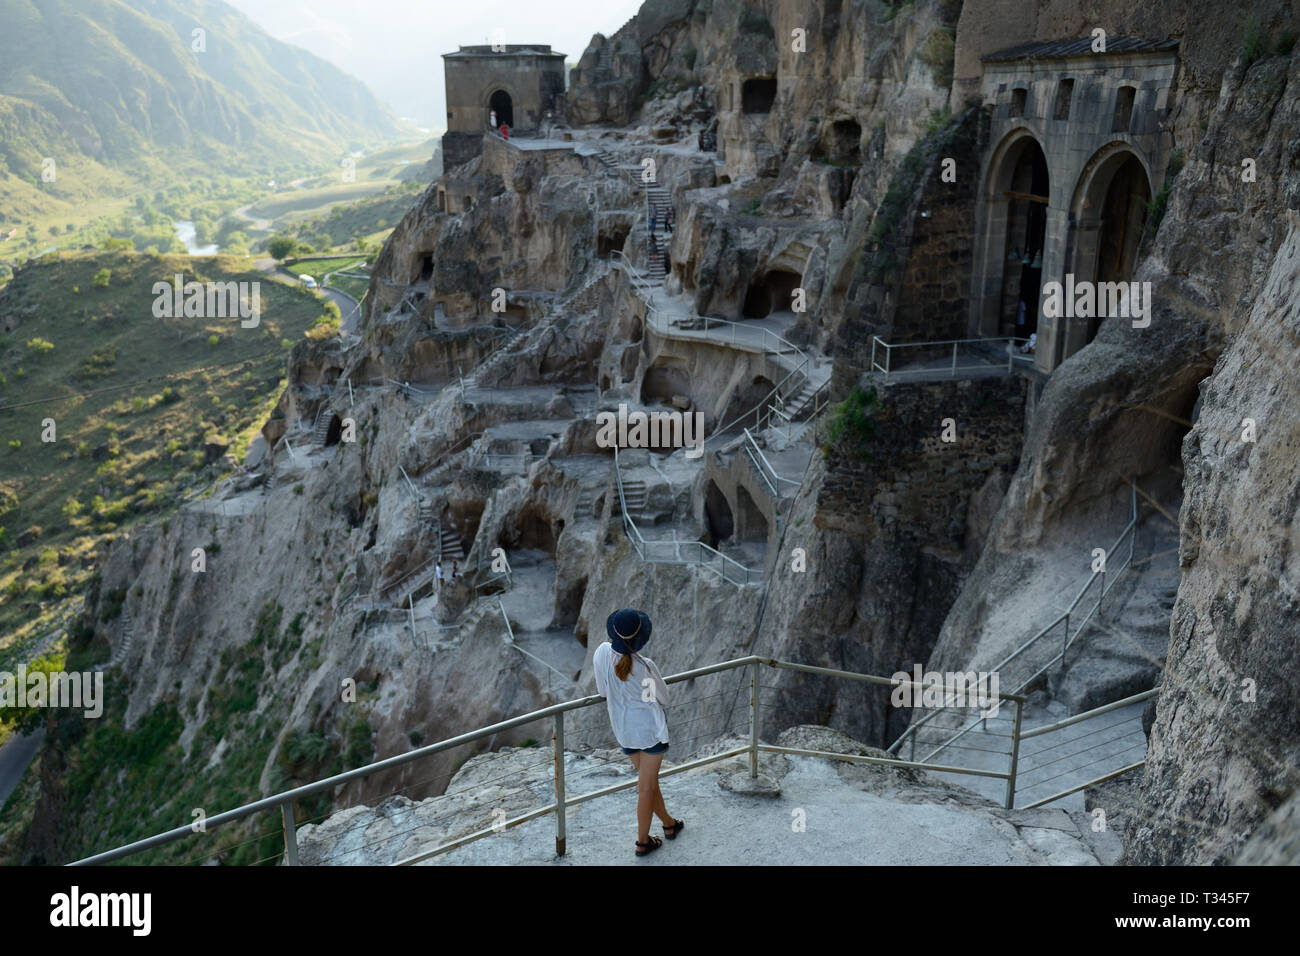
<point x="396" y="46"/>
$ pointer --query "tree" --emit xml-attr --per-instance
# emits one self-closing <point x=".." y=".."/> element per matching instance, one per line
<point x="281" y="247"/>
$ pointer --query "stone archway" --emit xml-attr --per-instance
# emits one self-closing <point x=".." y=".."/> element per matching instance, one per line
<point x="718" y="520"/>
<point x="1016" y="238"/>
<point x="501" y="103"/>
<point x="1107" y="217"/>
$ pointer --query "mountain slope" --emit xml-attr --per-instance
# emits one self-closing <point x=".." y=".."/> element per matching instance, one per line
<point x="121" y="79"/>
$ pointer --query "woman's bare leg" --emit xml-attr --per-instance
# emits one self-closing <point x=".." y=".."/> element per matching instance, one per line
<point x="649" y="800"/>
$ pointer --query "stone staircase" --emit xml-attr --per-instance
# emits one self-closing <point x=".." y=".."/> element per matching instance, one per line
<point x="635" y="495"/>
<point x="449" y="545"/>
<point x="586" y="502"/>
<point x="321" y="429"/>
<point x="658" y="201"/>
<point x="270" y="477"/>
<point x="125" y="639"/>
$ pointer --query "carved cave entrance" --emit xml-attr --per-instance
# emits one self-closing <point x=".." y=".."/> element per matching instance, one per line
<point x="772" y="293"/>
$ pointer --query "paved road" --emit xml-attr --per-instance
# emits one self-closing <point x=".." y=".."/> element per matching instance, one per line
<point x="15" y="756"/>
<point x="349" y="308"/>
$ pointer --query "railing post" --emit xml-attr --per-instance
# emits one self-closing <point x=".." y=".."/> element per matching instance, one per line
<point x="1015" y="758"/>
<point x="1011" y="353"/>
<point x="559" y="784"/>
<point x="1065" y="642"/>
<point x="351" y="398"/>
<point x="954" y="359"/>
<point x="290" y="834"/>
<point x="753" y="720"/>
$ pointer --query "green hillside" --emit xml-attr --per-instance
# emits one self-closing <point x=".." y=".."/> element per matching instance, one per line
<point x="144" y="409"/>
<point x="105" y="101"/>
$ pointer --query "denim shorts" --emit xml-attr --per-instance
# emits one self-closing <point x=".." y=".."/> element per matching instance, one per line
<point x="656" y="749"/>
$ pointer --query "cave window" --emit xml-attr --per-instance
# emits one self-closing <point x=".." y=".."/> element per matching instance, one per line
<point x="1123" y="109"/>
<point x="426" y="267"/>
<point x="757" y="96"/>
<point x="1064" y="93"/>
<point x="334" y="431"/>
<point x="442" y="200"/>
<point x="1019" y="99"/>
<point x="724" y="180"/>
<point x="846" y="142"/>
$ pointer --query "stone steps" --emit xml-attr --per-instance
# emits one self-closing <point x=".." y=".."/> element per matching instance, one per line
<point x="125" y="639"/>
<point x="635" y="494"/>
<point x="449" y="545"/>
<point x="321" y="429"/>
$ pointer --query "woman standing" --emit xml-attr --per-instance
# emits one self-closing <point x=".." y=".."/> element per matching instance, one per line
<point x="636" y="695"/>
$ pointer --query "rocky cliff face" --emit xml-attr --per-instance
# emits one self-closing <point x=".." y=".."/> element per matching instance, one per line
<point x="1224" y="747"/>
<point x="898" y="548"/>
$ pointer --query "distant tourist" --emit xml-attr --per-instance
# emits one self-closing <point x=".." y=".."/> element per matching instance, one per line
<point x="637" y="715"/>
<point x="505" y="132"/>
<point x="492" y="118"/>
<point x="455" y="570"/>
<point x="654" y="246"/>
<point x="668" y="220"/>
<point x="1020" y="315"/>
<point x="438" y="570"/>
<point x="654" y="219"/>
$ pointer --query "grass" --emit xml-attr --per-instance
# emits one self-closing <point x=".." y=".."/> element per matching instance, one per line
<point x="127" y="452"/>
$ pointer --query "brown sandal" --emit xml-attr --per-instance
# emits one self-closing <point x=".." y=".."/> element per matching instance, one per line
<point x="643" y="848"/>
<point x="677" y="827"/>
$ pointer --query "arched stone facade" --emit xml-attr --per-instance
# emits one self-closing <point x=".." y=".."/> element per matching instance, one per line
<point x="1095" y="116"/>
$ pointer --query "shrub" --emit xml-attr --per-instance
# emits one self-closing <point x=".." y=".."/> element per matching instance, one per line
<point x="101" y="278"/>
<point x="852" y="422"/>
<point x="39" y="346"/>
<point x="937" y="52"/>
<point x="281" y="247"/>
<point x="1157" y="206"/>
<point x="1254" y="39"/>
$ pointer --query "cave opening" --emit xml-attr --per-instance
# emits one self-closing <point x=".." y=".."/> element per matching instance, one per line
<point x="844" y="145"/>
<point x="772" y="293"/>
<point x="758" y="95"/>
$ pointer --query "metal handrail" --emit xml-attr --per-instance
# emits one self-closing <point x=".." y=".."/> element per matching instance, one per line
<point x="284" y="801"/>
<point x="704" y="553"/>
<point x="887" y="369"/>
<point x="1130" y="530"/>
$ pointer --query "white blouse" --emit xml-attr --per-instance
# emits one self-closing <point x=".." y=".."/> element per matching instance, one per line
<point x="637" y="723"/>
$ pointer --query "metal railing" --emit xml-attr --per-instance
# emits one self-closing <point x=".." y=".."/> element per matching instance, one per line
<point x="563" y="799"/>
<point x="1130" y="530"/>
<point x="681" y="552"/>
<point x="943" y="350"/>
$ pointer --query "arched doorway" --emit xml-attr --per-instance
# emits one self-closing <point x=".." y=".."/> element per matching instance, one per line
<point x="1013" y="248"/>
<point x="719" y="524"/>
<point x="501" y="104"/>
<point x="1023" y="247"/>
<point x="1109" y="214"/>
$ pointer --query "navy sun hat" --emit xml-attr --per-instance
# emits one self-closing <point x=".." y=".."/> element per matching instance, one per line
<point x="628" y="630"/>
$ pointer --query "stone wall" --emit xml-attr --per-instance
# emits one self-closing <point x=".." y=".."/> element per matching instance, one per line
<point x="888" y="543"/>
